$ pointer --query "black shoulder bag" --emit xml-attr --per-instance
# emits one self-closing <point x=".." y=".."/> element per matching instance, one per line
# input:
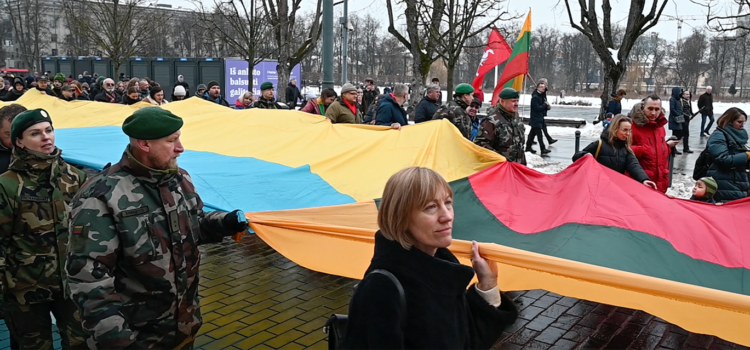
<point x="336" y="325"/>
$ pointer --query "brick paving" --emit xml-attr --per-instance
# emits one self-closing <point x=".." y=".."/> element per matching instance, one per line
<point x="254" y="298"/>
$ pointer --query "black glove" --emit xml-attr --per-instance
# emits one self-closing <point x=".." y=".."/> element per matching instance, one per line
<point x="235" y="221"/>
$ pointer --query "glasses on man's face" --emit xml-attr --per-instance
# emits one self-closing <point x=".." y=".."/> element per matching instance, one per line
<point x="109" y="84"/>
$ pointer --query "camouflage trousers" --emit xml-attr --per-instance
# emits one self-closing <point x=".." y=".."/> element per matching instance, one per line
<point x="31" y="325"/>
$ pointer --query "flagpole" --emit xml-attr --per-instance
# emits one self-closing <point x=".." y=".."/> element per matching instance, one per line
<point x="495" y="76"/>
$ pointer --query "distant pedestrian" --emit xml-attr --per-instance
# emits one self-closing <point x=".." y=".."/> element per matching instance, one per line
<point x="181" y="82"/>
<point x="293" y="95"/>
<point x="200" y="91"/>
<point x="536" y="121"/>
<point x="428" y="105"/>
<point x="687" y="113"/>
<point x="179" y="93"/>
<point x="676" y="118"/>
<point x="615" y="105"/>
<point x="319" y="106"/>
<point x="706" y="107"/>
<point x="370" y="93"/>
<point x="344" y="111"/>
<point x="266" y="99"/>
<point x="245" y="101"/>
<point x="550" y="140"/>
<point x="390" y="108"/>
<point x="156" y="96"/>
<point x="213" y="93"/>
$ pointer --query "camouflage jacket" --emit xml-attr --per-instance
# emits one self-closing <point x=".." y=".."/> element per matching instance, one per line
<point x="503" y="134"/>
<point x="133" y="256"/>
<point x="262" y="103"/>
<point x="455" y="112"/>
<point x="34" y="196"/>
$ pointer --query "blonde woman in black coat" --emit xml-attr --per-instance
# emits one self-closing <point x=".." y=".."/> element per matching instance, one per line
<point x="416" y="220"/>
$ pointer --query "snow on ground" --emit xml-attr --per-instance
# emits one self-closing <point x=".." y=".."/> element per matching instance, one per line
<point x="536" y="162"/>
<point x="682" y="186"/>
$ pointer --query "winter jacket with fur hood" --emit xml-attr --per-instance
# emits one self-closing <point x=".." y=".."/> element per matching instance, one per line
<point x="650" y="146"/>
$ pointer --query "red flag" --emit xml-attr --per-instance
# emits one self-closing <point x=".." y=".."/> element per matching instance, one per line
<point x="496" y="52"/>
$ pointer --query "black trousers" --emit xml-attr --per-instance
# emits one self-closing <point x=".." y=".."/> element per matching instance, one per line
<point x="546" y="133"/>
<point x="683" y="135"/>
<point x="538" y="133"/>
<point x="31" y="325"/>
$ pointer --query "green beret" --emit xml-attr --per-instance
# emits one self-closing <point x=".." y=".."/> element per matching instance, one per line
<point x="25" y="120"/>
<point x="60" y="77"/>
<point x="151" y="123"/>
<point x="265" y="86"/>
<point x="509" y="93"/>
<point x="464" y="88"/>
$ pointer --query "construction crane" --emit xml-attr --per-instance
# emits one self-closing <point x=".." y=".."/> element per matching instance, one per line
<point x="679" y="20"/>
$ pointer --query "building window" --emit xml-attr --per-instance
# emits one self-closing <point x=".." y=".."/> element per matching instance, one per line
<point x="54" y="52"/>
<point x="54" y="38"/>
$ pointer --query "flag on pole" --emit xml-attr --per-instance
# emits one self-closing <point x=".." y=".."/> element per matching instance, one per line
<point x="518" y="63"/>
<point x="496" y="52"/>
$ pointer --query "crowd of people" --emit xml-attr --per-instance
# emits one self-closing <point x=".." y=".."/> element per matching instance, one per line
<point x="122" y="273"/>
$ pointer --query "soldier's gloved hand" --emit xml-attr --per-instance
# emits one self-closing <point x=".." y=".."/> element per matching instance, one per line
<point x="235" y="221"/>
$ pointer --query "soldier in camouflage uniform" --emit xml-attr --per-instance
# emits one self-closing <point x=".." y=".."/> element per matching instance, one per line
<point x="34" y="196"/>
<point x="455" y="110"/>
<point x="505" y="132"/>
<point x="133" y="254"/>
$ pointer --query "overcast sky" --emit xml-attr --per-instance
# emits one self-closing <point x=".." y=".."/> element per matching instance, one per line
<point x="544" y="12"/>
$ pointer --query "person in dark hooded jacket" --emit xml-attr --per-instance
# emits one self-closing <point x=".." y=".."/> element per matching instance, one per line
<point x="439" y="311"/>
<point x="428" y="105"/>
<point x="728" y="148"/>
<point x="390" y="112"/>
<point x="614" y="152"/>
<point x="676" y="118"/>
<point x="536" y="119"/>
<point x="16" y="92"/>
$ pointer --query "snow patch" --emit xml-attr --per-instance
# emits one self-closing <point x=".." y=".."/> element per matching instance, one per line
<point x="614" y="52"/>
<point x="541" y="165"/>
<point x="682" y="186"/>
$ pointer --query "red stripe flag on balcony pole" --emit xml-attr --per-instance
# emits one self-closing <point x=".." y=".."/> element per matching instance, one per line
<point x="496" y="52"/>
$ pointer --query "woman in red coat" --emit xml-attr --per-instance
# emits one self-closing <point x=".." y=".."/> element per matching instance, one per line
<point x="649" y="144"/>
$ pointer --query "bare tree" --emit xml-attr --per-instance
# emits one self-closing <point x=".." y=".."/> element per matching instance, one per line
<point x="116" y="27"/>
<point x="543" y="51"/>
<point x="293" y="43"/>
<point x="457" y="24"/>
<point x="727" y="16"/>
<point x="30" y="29"/>
<point x="422" y="50"/>
<point x="690" y="62"/>
<point x="719" y="60"/>
<point x="614" y="59"/>
<point x="235" y="24"/>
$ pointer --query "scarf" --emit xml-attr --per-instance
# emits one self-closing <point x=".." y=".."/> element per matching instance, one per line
<point x="321" y="107"/>
<point x="352" y="107"/>
<point x="740" y="136"/>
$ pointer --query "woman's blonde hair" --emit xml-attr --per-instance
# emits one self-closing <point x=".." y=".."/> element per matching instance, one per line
<point x="406" y="191"/>
<point x="614" y="125"/>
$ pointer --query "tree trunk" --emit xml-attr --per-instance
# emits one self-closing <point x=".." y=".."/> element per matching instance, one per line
<point x="611" y="80"/>
<point x="283" y="71"/>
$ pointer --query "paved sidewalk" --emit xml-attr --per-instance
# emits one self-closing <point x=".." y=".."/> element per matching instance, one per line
<point x="254" y="298"/>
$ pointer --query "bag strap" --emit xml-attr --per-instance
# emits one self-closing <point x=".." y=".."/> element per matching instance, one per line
<point x="401" y="294"/>
<point x="598" y="148"/>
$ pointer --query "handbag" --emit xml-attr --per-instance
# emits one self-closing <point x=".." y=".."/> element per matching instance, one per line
<point x="335" y="327"/>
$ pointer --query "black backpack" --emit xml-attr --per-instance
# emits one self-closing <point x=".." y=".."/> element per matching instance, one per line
<point x="704" y="161"/>
<point x="336" y="325"/>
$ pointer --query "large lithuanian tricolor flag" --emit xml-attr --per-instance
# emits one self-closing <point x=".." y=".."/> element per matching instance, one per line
<point x="587" y="232"/>
<point x="518" y="64"/>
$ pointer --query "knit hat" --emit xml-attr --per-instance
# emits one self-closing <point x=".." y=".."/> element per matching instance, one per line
<point x="179" y="90"/>
<point x="711" y="186"/>
<point x="211" y="84"/>
<point x="311" y="95"/>
<point x="509" y="93"/>
<point x="201" y="87"/>
<point x="25" y="120"/>
<point x="464" y="88"/>
<point x="60" y="77"/>
<point x="348" y="87"/>
<point x="151" y="123"/>
<point x="100" y="79"/>
<point x="266" y="85"/>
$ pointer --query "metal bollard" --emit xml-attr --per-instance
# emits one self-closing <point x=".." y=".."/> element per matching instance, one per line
<point x="578" y="140"/>
<point x="671" y="166"/>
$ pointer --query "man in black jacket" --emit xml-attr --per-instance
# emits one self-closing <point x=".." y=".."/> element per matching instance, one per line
<point x="428" y="105"/>
<point x="43" y="86"/>
<point x="293" y="94"/>
<point x="370" y="93"/>
<point x="706" y="107"/>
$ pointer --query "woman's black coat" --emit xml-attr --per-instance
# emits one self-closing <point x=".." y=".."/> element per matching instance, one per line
<point x="617" y="158"/>
<point x="440" y="312"/>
